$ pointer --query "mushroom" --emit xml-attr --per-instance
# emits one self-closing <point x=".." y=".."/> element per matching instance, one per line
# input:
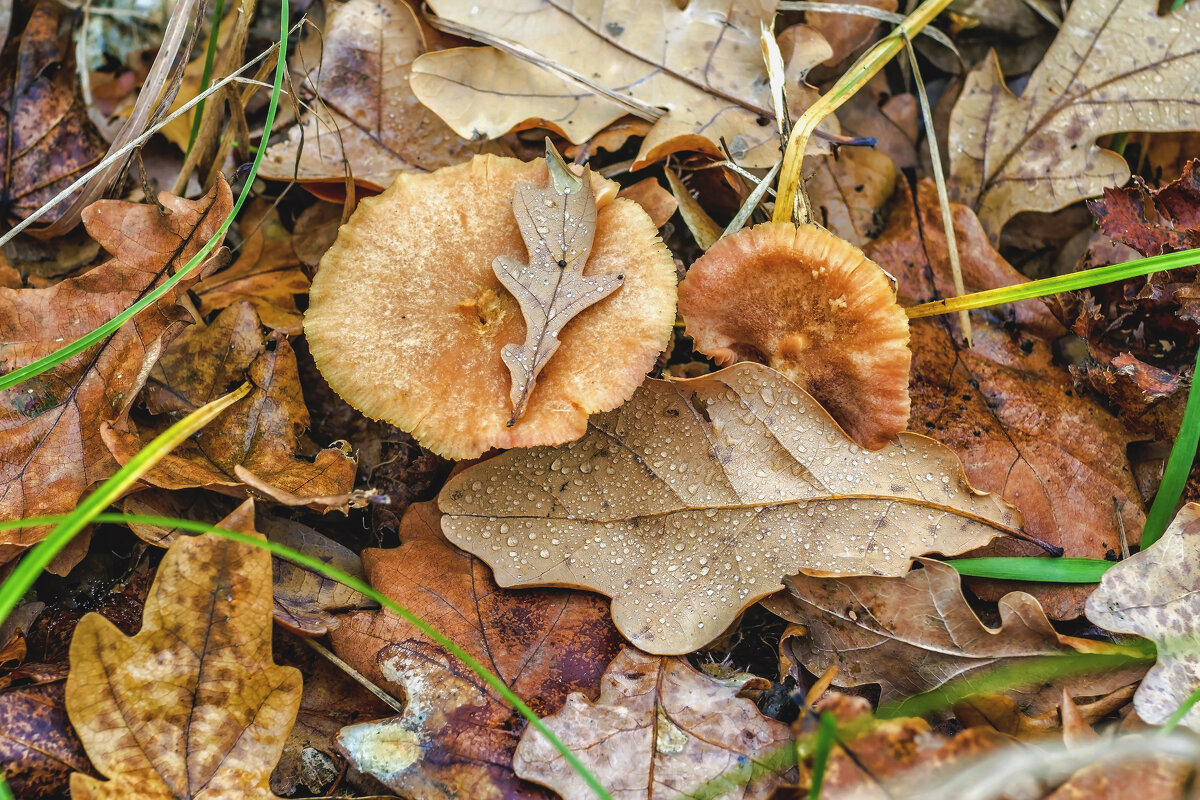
<point x="407" y="318"/>
<point x="812" y="306"/>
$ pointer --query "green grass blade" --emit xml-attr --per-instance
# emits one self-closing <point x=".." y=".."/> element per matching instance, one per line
<point x="1047" y="570"/>
<point x="826" y="731"/>
<point x="1060" y="283"/>
<point x="1180" y="713"/>
<point x="210" y="55"/>
<point x="84" y="342"/>
<point x="318" y="566"/>
<point x="68" y="525"/>
<point x="1179" y="466"/>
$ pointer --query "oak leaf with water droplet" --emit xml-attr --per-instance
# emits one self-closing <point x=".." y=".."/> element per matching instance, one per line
<point x="694" y="499"/>
<point x="558" y="223"/>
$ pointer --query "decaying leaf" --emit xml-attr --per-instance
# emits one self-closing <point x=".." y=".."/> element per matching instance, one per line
<point x="456" y="736"/>
<point x="701" y="62"/>
<point x="50" y="451"/>
<point x="267" y="274"/>
<point x="38" y="747"/>
<point x="46" y="137"/>
<point x="693" y="500"/>
<point x="260" y="433"/>
<point x="1153" y="221"/>
<point x="660" y="729"/>
<point x="849" y="189"/>
<point x="558" y="223"/>
<point x="1153" y="594"/>
<point x="1038" y="152"/>
<point x="915" y="633"/>
<point x="363" y="118"/>
<point x="192" y="706"/>
<point x="1021" y="427"/>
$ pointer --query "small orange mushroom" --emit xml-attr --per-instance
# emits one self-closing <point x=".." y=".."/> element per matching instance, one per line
<point x="407" y="318"/>
<point x="812" y="306"/>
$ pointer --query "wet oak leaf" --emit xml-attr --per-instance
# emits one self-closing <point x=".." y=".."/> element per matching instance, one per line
<point x="193" y="706"/>
<point x="267" y="274"/>
<point x="558" y="224"/>
<point x="1022" y="429"/>
<point x="694" y="499"/>
<point x="363" y="117"/>
<point x="46" y="137"/>
<point x="701" y="62"/>
<point x="456" y="736"/>
<point x="261" y="432"/>
<point x="1115" y="65"/>
<point x="1153" y="594"/>
<point x="660" y="729"/>
<point x="916" y="633"/>
<point x="50" y="448"/>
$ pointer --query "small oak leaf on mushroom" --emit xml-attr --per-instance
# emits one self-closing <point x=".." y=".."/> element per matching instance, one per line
<point x="558" y="224"/>
<point x="409" y="318"/>
<point x="813" y="307"/>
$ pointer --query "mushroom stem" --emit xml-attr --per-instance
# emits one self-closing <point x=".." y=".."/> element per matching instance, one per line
<point x="787" y="202"/>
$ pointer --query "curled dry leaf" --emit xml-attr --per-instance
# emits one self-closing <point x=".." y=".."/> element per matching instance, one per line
<point x="701" y="62"/>
<point x="193" y="706"/>
<point x="1153" y="221"/>
<point x="1038" y="152"/>
<point x="267" y="273"/>
<point x="1153" y="594"/>
<point x="50" y="452"/>
<point x="38" y="747"/>
<point x="408" y="320"/>
<point x="660" y="729"/>
<point x="916" y="633"/>
<point x="363" y="117"/>
<point x="558" y="224"/>
<point x="1015" y="416"/>
<point x="693" y="500"/>
<point x="456" y="736"/>
<point x="813" y="307"/>
<point x="46" y="137"/>
<point x="260" y="433"/>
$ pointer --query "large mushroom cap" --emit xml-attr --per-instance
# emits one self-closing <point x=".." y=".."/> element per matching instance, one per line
<point x="407" y="318"/>
<point x="815" y="308"/>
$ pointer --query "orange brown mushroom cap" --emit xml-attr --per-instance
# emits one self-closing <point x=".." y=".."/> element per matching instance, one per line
<point x="407" y="319"/>
<point x="812" y="306"/>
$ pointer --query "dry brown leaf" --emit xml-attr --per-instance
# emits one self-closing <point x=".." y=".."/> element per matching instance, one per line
<point x="38" y="747"/>
<point x="363" y="117"/>
<point x="1153" y="594"/>
<point x="1002" y="713"/>
<point x="1114" y="66"/>
<point x="847" y="32"/>
<point x="694" y="499"/>
<point x="192" y="706"/>
<point x="260" y="433"/>
<point x="1153" y="221"/>
<point x="701" y="62"/>
<point x="1014" y="415"/>
<point x="558" y="223"/>
<point x="849" y="190"/>
<point x="50" y="453"/>
<point x="456" y="737"/>
<point x="916" y="633"/>
<point x="659" y="729"/>
<point x="46" y="137"/>
<point x="306" y="603"/>
<point x="654" y="200"/>
<point x="267" y="273"/>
